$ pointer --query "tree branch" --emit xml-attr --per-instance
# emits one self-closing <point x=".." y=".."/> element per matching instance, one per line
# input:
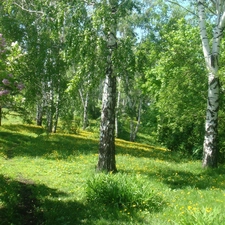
<point x="176" y="3"/>
<point x="28" y="10"/>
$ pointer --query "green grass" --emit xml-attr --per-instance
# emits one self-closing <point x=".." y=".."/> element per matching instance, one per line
<point x="57" y="169"/>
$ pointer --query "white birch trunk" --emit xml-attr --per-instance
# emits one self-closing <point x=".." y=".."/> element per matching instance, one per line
<point x="106" y="160"/>
<point x="210" y="146"/>
<point x="85" y="108"/>
<point x="85" y="116"/>
<point x="138" y="120"/>
<point x="117" y="110"/>
<point x="50" y="106"/>
<point x="134" y="129"/>
<point x="39" y="114"/>
<point x="56" y="117"/>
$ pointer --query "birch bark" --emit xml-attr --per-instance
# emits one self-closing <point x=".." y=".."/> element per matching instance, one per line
<point x="39" y="114"/>
<point x="85" y="100"/>
<point x="211" y="54"/>
<point x="106" y="160"/>
<point x="117" y="110"/>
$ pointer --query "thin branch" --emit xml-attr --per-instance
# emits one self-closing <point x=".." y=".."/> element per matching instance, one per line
<point x="176" y="3"/>
<point x="28" y="10"/>
<point x="210" y="10"/>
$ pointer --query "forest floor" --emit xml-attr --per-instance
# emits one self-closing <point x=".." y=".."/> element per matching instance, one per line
<point x="44" y="179"/>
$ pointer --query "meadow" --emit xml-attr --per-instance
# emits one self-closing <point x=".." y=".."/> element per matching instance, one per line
<point x="51" y="179"/>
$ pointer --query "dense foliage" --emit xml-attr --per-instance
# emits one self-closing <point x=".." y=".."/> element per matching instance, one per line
<point x="59" y="53"/>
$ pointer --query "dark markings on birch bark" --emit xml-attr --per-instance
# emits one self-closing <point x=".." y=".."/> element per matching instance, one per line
<point x="214" y="80"/>
<point x="217" y="109"/>
<point x="214" y="61"/>
<point x="209" y="103"/>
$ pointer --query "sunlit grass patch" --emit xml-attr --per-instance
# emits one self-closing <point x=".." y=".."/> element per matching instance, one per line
<point x="11" y="118"/>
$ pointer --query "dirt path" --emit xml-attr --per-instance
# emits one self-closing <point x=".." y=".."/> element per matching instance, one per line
<point x="27" y="207"/>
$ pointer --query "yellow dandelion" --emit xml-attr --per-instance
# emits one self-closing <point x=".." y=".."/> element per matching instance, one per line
<point x="208" y="210"/>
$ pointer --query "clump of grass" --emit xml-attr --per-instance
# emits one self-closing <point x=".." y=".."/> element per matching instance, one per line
<point x="122" y="191"/>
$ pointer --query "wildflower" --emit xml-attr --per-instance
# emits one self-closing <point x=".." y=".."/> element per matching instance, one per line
<point x="208" y="210"/>
<point x="4" y="92"/>
<point x="6" y="82"/>
<point x="20" y="86"/>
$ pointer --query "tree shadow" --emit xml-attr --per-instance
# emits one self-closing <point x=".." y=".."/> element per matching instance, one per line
<point x="44" y="145"/>
<point x="180" y="179"/>
<point x="23" y="127"/>
<point x="25" y="203"/>
<point x="36" y="143"/>
<point x="22" y="201"/>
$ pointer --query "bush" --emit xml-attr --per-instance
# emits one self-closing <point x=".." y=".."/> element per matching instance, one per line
<point x="121" y="191"/>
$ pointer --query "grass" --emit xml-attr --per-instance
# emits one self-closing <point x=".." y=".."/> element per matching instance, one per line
<point x="52" y="173"/>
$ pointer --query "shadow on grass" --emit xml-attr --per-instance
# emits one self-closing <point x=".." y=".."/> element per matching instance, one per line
<point x="179" y="179"/>
<point x="52" y="146"/>
<point x="26" y="140"/>
<point x="22" y="201"/>
<point x="24" y="128"/>
<point x="90" y="214"/>
<point x="27" y="203"/>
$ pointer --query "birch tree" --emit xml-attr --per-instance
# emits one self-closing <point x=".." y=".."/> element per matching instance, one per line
<point x="106" y="161"/>
<point x="211" y="51"/>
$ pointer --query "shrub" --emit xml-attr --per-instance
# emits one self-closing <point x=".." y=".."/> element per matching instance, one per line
<point x="121" y="191"/>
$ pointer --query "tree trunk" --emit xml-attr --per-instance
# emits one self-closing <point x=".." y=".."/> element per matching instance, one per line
<point x="56" y="117"/>
<point x="210" y="146"/>
<point x="39" y="114"/>
<point x="106" y="160"/>
<point x="210" y="152"/>
<point x="131" y="129"/>
<point x="85" y="116"/>
<point x="117" y="112"/>
<point x="138" y="120"/>
<point x="50" y="108"/>
<point x="85" y="107"/>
